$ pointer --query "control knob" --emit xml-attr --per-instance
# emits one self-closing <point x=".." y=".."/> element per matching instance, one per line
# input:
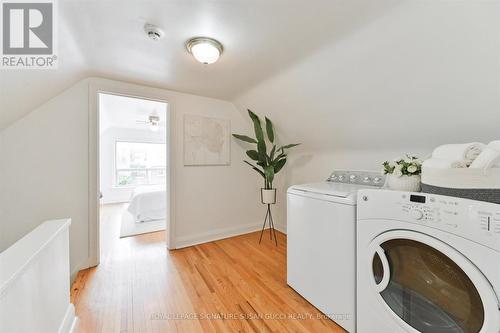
<point x="416" y="214"/>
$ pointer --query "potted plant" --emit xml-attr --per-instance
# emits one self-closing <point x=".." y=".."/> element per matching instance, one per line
<point x="403" y="174"/>
<point x="267" y="162"/>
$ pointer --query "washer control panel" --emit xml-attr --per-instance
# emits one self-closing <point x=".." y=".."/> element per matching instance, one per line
<point x="475" y="220"/>
<point x="370" y="178"/>
<point x="423" y="213"/>
<point x="487" y="220"/>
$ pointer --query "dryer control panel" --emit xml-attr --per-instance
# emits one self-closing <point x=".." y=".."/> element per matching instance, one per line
<point x="474" y="220"/>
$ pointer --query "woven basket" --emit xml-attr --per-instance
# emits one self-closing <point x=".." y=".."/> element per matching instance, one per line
<point x="476" y="184"/>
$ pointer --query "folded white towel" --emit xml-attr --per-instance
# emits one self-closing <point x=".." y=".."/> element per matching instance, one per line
<point x="439" y="163"/>
<point x="494" y="144"/>
<point x="466" y="152"/>
<point x="488" y="158"/>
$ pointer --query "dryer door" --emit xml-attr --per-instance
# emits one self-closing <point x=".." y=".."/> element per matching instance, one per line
<point x="428" y="286"/>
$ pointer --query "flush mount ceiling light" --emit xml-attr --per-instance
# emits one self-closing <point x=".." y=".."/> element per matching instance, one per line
<point x="205" y="50"/>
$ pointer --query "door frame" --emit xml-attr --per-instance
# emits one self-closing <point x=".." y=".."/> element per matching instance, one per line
<point x="481" y="283"/>
<point x="97" y="86"/>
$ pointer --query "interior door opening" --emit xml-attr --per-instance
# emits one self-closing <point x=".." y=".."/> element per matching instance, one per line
<point x="133" y="170"/>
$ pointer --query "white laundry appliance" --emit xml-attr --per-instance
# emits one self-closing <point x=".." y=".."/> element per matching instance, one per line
<point x="321" y="235"/>
<point x="427" y="263"/>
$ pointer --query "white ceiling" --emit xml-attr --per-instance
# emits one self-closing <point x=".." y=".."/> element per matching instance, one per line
<point x="128" y="112"/>
<point x="330" y="73"/>
<point x="423" y="73"/>
<point x="106" y="38"/>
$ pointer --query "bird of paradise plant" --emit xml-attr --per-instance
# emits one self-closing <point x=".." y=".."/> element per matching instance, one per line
<point x="268" y="164"/>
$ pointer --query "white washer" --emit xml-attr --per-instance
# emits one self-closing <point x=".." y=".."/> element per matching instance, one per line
<point x="321" y="235"/>
<point x="427" y="263"/>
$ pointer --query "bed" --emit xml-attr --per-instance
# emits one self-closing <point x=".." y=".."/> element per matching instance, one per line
<point x="148" y="203"/>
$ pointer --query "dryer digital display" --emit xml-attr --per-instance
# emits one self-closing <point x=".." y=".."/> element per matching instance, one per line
<point x="417" y="198"/>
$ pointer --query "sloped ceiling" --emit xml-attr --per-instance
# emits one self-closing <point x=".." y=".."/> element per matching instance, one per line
<point x="422" y="74"/>
<point x="333" y="74"/>
<point x="106" y="38"/>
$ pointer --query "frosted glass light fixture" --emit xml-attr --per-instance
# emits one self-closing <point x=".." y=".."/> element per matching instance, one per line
<point x="205" y="50"/>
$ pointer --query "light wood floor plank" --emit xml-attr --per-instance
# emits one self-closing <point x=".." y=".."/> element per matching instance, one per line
<point x="231" y="285"/>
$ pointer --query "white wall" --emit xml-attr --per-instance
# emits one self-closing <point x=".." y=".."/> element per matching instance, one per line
<point x="45" y="168"/>
<point x="209" y="201"/>
<point x="111" y="193"/>
<point x="213" y="200"/>
<point x="425" y="73"/>
<point x="3" y="237"/>
<point x="422" y="74"/>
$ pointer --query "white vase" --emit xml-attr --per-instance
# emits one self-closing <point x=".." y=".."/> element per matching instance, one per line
<point x="268" y="196"/>
<point x="404" y="183"/>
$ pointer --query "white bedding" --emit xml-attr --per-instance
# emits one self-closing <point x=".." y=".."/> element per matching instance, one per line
<point x="148" y="203"/>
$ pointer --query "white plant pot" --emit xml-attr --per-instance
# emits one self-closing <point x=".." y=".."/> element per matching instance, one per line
<point x="404" y="183"/>
<point x="268" y="196"/>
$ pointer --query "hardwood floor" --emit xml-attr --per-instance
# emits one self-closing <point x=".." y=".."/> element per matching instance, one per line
<point x="231" y="285"/>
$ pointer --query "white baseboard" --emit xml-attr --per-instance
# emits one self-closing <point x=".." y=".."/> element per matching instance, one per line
<point x="217" y="234"/>
<point x="90" y="262"/>
<point x="69" y="322"/>
<point x="281" y="228"/>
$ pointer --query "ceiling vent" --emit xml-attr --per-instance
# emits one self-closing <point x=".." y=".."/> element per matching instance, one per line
<point x="153" y="31"/>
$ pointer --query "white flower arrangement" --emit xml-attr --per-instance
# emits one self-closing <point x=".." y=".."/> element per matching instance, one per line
<point x="407" y="165"/>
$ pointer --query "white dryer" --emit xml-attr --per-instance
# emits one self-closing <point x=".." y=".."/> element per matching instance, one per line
<point x="321" y="236"/>
<point x="427" y="263"/>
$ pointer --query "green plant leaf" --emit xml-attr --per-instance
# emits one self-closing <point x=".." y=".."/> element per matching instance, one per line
<point x="268" y="160"/>
<point x="259" y="134"/>
<point x="256" y="169"/>
<point x="290" y="146"/>
<point x="271" y="154"/>
<point x="245" y="138"/>
<point x="279" y="157"/>
<point x="269" y="172"/>
<point x="253" y="154"/>
<point x="269" y="130"/>
<point x="253" y="166"/>
<point x="279" y="165"/>
<point x="262" y="149"/>
<point x="270" y="164"/>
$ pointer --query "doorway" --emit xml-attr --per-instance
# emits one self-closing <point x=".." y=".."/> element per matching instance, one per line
<point x="133" y="170"/>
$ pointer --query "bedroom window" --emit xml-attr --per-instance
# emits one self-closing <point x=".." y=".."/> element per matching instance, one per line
<point x="140" y="163"/>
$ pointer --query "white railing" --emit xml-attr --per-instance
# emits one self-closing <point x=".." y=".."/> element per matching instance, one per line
<point x="35" y="282"/>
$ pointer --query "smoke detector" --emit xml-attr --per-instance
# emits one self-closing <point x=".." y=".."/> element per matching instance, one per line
<point x="153" y="31"/>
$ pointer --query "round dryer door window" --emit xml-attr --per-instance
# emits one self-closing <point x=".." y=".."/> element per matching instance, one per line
<point x="426" y="288"/>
